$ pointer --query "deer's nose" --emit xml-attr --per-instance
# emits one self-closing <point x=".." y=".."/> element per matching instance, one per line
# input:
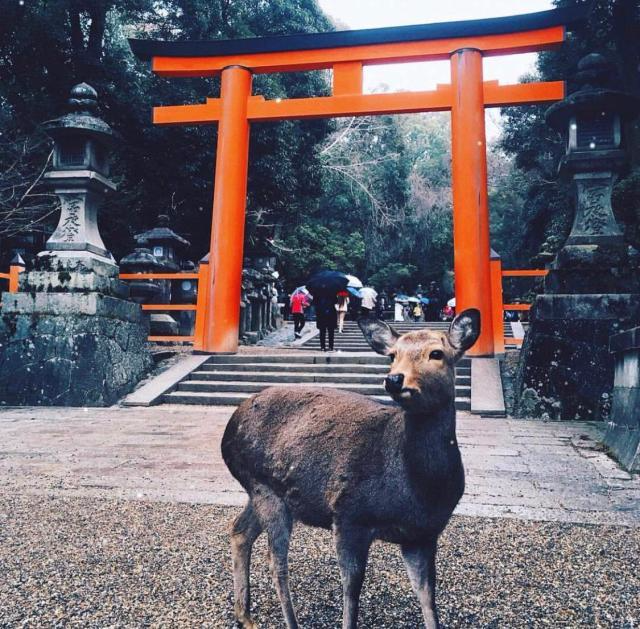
<point x="393" y="382"/>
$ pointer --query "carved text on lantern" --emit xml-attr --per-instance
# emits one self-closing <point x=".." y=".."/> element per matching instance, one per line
<point x="594" y="200"/>
<point x="71" y="224"/>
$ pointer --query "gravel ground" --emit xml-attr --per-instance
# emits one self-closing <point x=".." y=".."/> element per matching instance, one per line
<point x="98" y="563"/>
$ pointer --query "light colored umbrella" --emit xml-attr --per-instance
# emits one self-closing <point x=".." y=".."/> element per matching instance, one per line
<point x="300" y="289"/>
<point x="414" y="300"/>
<point x="354" y="282"/>
<point x="452" y="302"/>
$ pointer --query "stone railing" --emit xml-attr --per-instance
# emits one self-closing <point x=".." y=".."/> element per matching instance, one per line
<point x="623" y="430"/>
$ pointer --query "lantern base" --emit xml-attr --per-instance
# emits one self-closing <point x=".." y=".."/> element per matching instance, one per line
<point x="70" y="337"/>
<point x="87" y="272"/>
<point x="566" y="368"/>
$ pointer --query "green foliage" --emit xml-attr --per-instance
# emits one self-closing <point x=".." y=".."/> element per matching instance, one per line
<point x="312" y="246"/>
<point x="395" y="276"/>
<point x="46" y="47"/>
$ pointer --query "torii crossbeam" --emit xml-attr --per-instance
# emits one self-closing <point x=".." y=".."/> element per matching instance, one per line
<point x="345" y="53"/>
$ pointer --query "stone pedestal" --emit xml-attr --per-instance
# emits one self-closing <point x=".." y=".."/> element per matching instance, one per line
<point x="623" y="429"/>
<point x="566" y="369"/>
<point x="69" y="338"/>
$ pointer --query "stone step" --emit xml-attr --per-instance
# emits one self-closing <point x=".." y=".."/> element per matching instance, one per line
<point x="235" y="398"/>
<point x="239" y="368"/>
<point x="365" y="358"/>
<point x="255" y="387"/>
<point x="359" y="346"/>
<point x="297" y="367"/>
<point x="299" y="376"/>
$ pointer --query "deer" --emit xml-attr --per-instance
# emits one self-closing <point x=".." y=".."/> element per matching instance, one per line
<point x="365" y="469"/>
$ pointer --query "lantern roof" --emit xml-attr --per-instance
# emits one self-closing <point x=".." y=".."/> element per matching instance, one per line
<point x="82" y="118"/>
<point x="140" y="258"/>
<point x="161" y="233"/>
<point x="594" y="76"/>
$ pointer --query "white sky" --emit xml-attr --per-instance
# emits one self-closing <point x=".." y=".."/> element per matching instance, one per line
<point x="355" y="14"/>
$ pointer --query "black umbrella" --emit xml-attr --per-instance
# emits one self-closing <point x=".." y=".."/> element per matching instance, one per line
<point x="327" y="283"/>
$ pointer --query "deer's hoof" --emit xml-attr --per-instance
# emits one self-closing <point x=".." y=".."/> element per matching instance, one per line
<point x="244" y="621"/>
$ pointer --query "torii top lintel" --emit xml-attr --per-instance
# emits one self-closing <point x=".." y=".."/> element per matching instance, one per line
<point x="346" y="52"/>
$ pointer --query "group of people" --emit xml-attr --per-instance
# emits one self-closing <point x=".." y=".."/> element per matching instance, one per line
<point x="331" y="312"/>
<point x="423" y="305"/>
<point x="331" y="309"/>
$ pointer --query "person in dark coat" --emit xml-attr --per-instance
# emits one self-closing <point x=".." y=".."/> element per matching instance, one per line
<point x="326" y="319"/>
<point x="435" y="301"/>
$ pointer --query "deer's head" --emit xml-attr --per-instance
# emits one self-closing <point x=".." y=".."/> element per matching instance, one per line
<point x="422" y="374"/>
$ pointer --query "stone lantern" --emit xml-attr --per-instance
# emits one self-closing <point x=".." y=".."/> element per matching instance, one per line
<point x="70" y="336"/>
<point x="80" y="176"/>
<point x="160" y="250"/>
<point x="141" y="260"/>
<point x="167" y="248"/>
<point x="592" y="120"/>
<point x="592" y="290"/>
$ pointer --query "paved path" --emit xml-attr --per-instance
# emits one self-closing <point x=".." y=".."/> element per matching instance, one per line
<point x="527" y="470"/>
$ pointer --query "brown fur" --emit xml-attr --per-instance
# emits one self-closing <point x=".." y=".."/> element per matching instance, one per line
<point x="364" y="469"/>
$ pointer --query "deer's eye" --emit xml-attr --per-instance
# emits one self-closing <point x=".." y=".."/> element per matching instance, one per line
<point x="436" y="354"/>
<point x="392" y="356"/>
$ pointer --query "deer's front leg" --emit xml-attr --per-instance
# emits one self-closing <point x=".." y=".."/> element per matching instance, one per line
<point x="352" y="546"/>
<point x="420" y="561"/>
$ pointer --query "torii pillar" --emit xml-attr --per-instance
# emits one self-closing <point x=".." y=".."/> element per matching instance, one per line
<point x="222" y="317"/>
<point x="470" y="199"/>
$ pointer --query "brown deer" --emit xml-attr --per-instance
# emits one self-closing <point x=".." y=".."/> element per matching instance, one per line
<point x="364" y="469"/>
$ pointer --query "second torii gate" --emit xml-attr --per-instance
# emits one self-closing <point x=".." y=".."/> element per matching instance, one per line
<point x="345" y="53"/>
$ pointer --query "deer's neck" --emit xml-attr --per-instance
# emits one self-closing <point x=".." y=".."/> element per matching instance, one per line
<point x="440" y="423"/>
<point x="430" y="439"/>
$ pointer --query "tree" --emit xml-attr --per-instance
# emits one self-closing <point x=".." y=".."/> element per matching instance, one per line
<point x="46" y="47"/>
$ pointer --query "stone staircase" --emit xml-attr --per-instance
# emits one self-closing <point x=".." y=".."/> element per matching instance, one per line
<point x="228" y="380"/>
<point x="351" y="340"/>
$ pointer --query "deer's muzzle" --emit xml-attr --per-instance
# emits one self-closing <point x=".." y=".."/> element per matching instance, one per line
<point x="393" y="383"/>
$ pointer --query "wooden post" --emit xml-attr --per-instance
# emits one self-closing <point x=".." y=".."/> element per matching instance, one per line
<point x="222" y="317"/>
<point x="14" y="272"/>
<point x="201" y="305"/>
<point x="470" y="202"/>
<point x="496" y="303"/>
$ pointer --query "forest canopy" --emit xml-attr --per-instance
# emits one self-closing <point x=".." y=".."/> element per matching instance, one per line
<point x="370" y="196"/>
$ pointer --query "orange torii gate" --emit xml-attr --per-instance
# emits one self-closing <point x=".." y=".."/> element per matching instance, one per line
<point x="345" y="53"/>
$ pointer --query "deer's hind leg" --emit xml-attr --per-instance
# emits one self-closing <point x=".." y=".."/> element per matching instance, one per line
<point x="276" y="519"/>
<point x="245" y="530"/>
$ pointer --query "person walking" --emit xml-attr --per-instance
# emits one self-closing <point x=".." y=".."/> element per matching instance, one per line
<point x="325" y="286"/>
<point x="417" y="312"/>
<point x="326" y="319"/>
<point x="369" y="297"/>
<point x="298" y="302"/>
<point x="342" y="307"/>
<point x="435" y="299"/>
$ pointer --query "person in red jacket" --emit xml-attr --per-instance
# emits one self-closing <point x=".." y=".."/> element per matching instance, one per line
<point x="299" y="301"/>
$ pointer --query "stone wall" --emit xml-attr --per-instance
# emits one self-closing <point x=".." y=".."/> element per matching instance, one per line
<point x="70" y="349"/>
<point x="623" y="430"/>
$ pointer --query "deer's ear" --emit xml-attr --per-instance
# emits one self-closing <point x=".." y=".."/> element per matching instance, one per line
<point x="465" y="329"/>
<point x="380" y="335"/>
